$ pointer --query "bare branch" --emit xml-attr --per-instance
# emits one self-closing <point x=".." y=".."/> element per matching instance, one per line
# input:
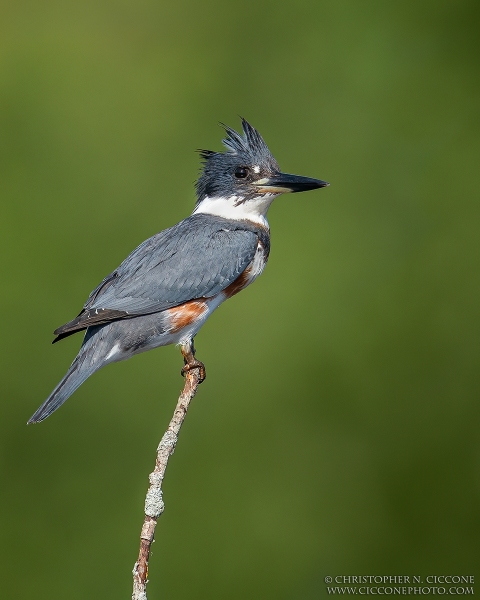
<point x="154" y="505"/>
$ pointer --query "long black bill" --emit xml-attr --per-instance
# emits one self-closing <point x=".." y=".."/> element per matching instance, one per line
<point x="283" y="182"/>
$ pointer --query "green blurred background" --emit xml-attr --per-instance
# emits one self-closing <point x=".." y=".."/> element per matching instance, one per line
<point x="337" y="432"/>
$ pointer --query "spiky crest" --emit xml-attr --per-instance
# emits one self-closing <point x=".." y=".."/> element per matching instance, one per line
<point x="248" y="149"/>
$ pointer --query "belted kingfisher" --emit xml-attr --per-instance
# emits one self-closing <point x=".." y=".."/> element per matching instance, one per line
<point x="167" y="288"/>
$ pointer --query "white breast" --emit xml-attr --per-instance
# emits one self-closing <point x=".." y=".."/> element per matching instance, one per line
<point x="258" y="263"/>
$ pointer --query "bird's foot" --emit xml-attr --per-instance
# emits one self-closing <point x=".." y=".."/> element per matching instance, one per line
<point x="195" y="364"/>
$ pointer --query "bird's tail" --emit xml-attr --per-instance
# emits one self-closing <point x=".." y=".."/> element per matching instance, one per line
<point x="89" y="359"/>
<point x="76" y="375"/>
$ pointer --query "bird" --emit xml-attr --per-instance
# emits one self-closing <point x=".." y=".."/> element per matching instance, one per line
<point x="165" y="290"/>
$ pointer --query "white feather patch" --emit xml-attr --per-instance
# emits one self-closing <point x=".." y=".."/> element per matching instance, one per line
<point x="254" y="210"/>
<point x="113" y="351"/>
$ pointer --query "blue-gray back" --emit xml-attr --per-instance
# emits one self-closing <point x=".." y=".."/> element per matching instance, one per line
<point x="197" y="258"/>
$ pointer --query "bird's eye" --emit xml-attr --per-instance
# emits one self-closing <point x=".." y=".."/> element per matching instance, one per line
<point x="241" y="172"/>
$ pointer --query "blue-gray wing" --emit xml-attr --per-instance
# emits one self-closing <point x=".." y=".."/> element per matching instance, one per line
<point x="197" y="258"/>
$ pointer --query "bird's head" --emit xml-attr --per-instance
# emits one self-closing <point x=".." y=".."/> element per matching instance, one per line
<point x="242" y="182"/>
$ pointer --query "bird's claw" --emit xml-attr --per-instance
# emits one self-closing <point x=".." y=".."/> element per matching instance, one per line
<point x="195" y="364"/>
